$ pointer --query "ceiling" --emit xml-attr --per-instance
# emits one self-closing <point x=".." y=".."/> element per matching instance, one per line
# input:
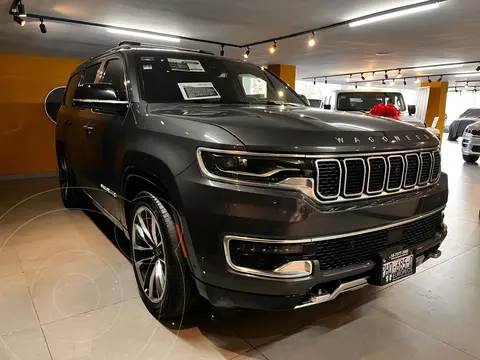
<point x="447" y="34"/>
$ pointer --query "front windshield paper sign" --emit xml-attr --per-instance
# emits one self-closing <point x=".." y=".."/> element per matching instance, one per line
<point x="185" y="65"/>
<point x="198" y="91"/>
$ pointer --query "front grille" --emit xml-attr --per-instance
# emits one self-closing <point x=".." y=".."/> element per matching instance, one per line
<point x="350" y="178"/>
<point x="476" y="148"/>
<point x="356" y="249"/>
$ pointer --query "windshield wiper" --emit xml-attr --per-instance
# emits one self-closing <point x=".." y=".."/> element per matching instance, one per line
<point x="210" y="101"/>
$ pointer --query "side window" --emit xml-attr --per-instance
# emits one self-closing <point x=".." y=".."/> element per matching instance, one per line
<point x="90" y="74"/>
<point x="115" y="75"/>
<point x="71" y="87"/>
<point x="253" y="86"/>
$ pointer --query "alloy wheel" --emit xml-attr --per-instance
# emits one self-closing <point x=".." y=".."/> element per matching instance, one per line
<point x="149" y="254"/>
<point x="63" y="175"/>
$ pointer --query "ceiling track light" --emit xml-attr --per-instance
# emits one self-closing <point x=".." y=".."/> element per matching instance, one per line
<point x="456" y="90"/>
<point x="314" y="81"/>
<point x="349" y="78"/>
<point x="21" y="10"/>
<point x="222" y="52"/>
<point x="405" y="82"/>
<point x="386" y="75"/>
<point x="247" y="53"/>
<point x="356" y="86"/>
<point x="362" y="77"/>
<point x="312" y="41"/>
<point x="43" y="28"/>
<point x="19" y="20"/>
<point x="440" y="78"/>
<point x="429" y="80"/>
<point x="417" y="80"/>
<point x="373" y="75"/>
<point x="326" y="81"/>
<point x="475" y="89"/>
<point x="383" y="82"/>
<point x="399" y="75"/>
<point x="478" y="68"/>
<point x="273" y="48"/>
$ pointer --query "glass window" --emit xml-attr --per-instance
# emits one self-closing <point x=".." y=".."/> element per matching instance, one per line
<point x="115" y="75"/>
<point x="71" y="87"/>
<point x="200" y="78"/>
<point x="364" y="101"/>
<point x="253" y="86"/>
<point x="90" y="74"/>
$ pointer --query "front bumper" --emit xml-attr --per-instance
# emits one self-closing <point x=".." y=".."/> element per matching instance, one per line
<point x="471" y="145"/>
<point x="213" y="210"/>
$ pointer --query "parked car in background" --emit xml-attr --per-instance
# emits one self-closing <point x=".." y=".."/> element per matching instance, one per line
<point x="363" y="100"/>
<point x="457" y="127"/>
<point x="471" y="142"/>
<point x="229" y="185"/>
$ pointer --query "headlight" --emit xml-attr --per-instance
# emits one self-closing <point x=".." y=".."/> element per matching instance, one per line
<point x="233" y="166"/>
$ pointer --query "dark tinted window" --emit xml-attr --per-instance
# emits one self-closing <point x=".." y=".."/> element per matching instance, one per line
<point x="192" y="77"/>
<point x="354" y="101"/>
<point x="90" y="74"/>
<point x="114" y="75"/>
<point x="72" y="85"/>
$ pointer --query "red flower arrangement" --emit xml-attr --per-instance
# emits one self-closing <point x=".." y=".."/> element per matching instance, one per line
<point x="389" y="111"/>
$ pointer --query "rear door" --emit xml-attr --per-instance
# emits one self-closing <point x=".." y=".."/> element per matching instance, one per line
<point x="103" y="133"/>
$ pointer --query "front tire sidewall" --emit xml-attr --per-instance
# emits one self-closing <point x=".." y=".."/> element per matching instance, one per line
<point x="176" y="295"/>
<point x="470" y="158"/>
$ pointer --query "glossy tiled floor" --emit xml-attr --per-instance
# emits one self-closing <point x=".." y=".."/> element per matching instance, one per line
<point x="68" y="292"/>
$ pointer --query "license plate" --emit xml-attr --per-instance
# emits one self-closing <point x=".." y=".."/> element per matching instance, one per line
<point x="397" y="265"/>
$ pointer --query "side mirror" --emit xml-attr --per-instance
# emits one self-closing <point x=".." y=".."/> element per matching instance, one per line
<point x="305" y="100"/>
<point x="327" y="107"/>
<point x="101" y="97"/>
<point x="412" y="109"/>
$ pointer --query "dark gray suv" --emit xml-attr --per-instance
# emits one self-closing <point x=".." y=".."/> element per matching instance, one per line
<point x="229" y="185"/>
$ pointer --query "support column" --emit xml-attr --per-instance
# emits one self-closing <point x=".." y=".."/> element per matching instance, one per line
<point x="437" y="101"/>
<point x="285" y="72"/>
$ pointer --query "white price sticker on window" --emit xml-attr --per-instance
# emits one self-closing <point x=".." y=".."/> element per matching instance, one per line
<point x="198" y="91"/>
<point x="185" y="65"/>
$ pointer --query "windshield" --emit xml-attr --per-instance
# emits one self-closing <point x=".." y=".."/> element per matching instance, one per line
<point x="364" y="101"/>
<point x="179" y="77"/>
<point x="471" y="113"/>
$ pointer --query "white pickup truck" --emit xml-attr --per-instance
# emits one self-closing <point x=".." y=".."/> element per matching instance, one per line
<point x="363" y="100"/>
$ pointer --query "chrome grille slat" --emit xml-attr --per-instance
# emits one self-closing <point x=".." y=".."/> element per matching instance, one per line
<point x="354" y="180"/>
<point x="363" y="176"/>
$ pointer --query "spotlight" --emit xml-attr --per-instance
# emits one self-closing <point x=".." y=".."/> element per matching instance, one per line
<point x="478" y="68"/>
<point x="273" y="48"/>
<point x="405" y="82"/>
<point x="386" y="75"/>
<point x="21" y="11"/>
<point x="222" y="52"/>
<point x="440" y="78"/>
<point x="314" y="81"/>
<point x="356" y="86"/>
<point x="466" y="86"/>
<point x="247" y="53"/>
<point x="19" y="20"/>
<point x="43" y="28"/>
<point x="373" y="76"/>
<point x="475" y="89"/>
<point x="456" y="90"/>
<point x="429" y="80"/>
<point x="363" y="77"/>
<point x="326" y="81"/>
<point x="399" y="75"/>
<point x="383" y="82"/>
<point x="417" y="80"/>
<point x="312" y="40"/>
<point x="349" y="78"/>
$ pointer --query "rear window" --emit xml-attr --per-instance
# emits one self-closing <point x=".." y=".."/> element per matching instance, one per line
<point x="364" y="101"/>
<point x="174" y="77"/>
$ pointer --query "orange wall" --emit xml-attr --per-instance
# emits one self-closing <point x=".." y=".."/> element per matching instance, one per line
<point x="27" y="136"/>
<point x="285" y="72"/>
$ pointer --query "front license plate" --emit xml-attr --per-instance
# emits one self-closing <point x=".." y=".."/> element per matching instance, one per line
<point x="397" y="265"/>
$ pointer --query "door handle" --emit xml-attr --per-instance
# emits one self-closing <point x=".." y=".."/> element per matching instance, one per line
<point x="88" y="128"/>
<point x="67" y="122"/>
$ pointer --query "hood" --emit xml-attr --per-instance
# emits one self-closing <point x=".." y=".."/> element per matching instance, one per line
<point x="473" y="128"/>
<point x="303" y="129"/>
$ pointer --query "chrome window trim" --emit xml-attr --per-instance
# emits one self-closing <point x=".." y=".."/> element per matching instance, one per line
<point x="433" y="166"/>
<point x="421" y="168"/>
<point x="388" y="175"/>
<point x="305" y="186"/>
<point x="346" y="177"/>
<point x="101" y="101"/>
<point x="406" y="171"/>
<point x="339" y="179"/>
<point x="369" y="171"/>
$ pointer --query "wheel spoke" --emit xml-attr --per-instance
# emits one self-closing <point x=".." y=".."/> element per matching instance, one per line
<point x="159" y="278"/>
<point x="139" y="231"/>
<point x="153" y="224"/>
<point x="146" y="233"/>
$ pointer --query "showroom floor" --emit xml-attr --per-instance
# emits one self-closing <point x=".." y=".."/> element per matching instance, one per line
<point x="67" y="292"/>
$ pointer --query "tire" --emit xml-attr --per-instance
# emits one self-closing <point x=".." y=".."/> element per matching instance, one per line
<point x="70" y="194"/>
<point x="159" y="265"/>
<point x="470" y="158"/>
